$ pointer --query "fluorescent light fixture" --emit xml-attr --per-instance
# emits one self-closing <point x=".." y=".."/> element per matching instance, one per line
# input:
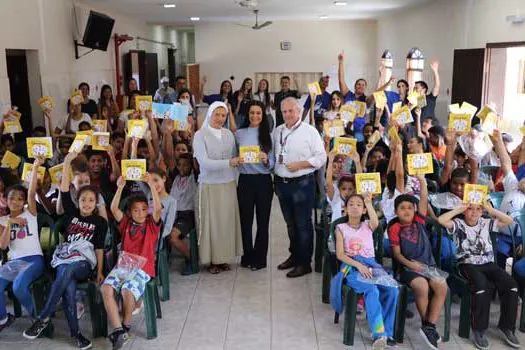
<point x="169" y="6"/>
<point x="195" y="19"/>
<point x="323" y="17"/>
<point x="340" y="3"/>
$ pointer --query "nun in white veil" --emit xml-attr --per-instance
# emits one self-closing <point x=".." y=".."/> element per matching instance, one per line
<point x="218" y="220"/>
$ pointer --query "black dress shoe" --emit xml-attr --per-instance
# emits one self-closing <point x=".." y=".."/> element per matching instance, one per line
<point x="299" y="271"/>
<point x="256" y="267"/>
<point x="288" y="264"/>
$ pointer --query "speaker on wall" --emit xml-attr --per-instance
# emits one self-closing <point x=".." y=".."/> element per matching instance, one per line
<point x="98" y="31"/>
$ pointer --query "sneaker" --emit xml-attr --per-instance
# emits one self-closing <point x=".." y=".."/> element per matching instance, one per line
<point x="510" y="338"/>
<point x="379" y="343"/>
<point x="138" y="309"/>
<point x="36" y="329"/>
<point x="82" y="342"/>
<point x="391" y="343"/>
<point x="9" y="321"/>
<point x="118" y="338"/>
<point x="430" y="336"/>
<point x="480" y="341"/>
<point x="80" y="310"/>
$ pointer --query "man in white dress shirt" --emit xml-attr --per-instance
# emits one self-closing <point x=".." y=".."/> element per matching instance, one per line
<point x="300" y="152"/>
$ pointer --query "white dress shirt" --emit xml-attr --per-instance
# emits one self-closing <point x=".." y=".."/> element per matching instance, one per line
<point x="301" y="142"/>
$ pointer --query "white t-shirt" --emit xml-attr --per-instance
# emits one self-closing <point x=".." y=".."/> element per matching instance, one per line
<point x="337" y="205"/>
<point x="513" y="201"/>
<point x="184" y="190"/>
<point x="23" y="241"/>
<point x="74" y="123"/>
<point x="387" y="203"/>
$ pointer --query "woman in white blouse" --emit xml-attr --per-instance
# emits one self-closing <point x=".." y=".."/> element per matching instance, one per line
<point x="218" y="221"/>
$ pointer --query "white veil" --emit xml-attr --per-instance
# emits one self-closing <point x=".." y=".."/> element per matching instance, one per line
<point x="211" y="109"/>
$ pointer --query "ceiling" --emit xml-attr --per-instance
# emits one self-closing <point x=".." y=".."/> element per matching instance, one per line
<point x="154" y="12"/>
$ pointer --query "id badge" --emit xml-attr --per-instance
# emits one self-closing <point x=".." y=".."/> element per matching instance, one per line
<point x="282" y="158"/>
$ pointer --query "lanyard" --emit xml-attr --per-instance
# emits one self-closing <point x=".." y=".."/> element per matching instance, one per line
<point x="283" y="142"/>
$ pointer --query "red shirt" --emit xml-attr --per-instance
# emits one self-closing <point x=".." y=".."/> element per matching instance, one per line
<point x="141" y="240"/>
<point x="393" y="232"/>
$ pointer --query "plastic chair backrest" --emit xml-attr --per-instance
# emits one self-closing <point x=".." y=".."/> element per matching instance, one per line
<point x="496" y="198"/>
<point x="46" y="228"/>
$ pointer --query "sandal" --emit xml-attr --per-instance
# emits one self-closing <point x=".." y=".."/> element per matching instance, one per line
<point x="214" y="269"/>
<point x="224" y="267"/>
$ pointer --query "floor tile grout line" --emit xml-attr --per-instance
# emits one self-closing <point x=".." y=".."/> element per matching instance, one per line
<point x="189" y="309"/>
<point x="313" y="312"/>
<point x="231" y="304"/>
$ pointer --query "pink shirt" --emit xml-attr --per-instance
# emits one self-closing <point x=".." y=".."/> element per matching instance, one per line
<point x="358" y="241"/>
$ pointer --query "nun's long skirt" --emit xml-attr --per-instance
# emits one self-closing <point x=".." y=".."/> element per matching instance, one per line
<point x="218" y="223"/>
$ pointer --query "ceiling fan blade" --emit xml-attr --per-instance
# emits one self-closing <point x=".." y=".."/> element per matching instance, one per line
<point x="243" y="25"/>
<point x="264" y="25"/>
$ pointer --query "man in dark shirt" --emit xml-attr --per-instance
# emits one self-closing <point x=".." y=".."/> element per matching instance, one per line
<point x="421" y="88"/>
<point x="322" y="102"/>
<point x="280" y="96"/>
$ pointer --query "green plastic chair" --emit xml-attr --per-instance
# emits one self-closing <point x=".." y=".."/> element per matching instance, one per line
<point x="496" y="198"/>
<point x="194" y="251"/>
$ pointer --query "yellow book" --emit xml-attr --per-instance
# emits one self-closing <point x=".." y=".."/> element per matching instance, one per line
<point x="89" y="134"/>
<point x="99" y="125"/>
<point x="396" y="106"/>
<point x="250" y="154"/>
<point x="11" y="160"/>
<point x="334" y="128"/>
<point x="380" y="98"/>
<point x="143" y="103"/>
<point x="39" y="147"/>
<point x="393" y="134"/>
<point x="420" y="164"/>
<point x="360" y="107"/>
<point x="475" y="194"/>
<point x="422" y="101"/>
<point x="459" y="122"/>
<point x="368" y="183"/>
<point x="412" y="98"/>
<point x="78" y="143"/>
<point x="137" y="128"/>
<point x="374" y="138"/>
<point x="484" y="111"/>
<point x="467" y="108"/>
<point x="12" y="126"/>
<point x="314" y="88"/>
<point x="100" y="141"/>
<point x="133" y="169"/>
<point x="181" y="125"/>
<point x="490" y="122"/>
<point x="345" y="145"/>
<point x="522" y="130"/>
<point x="56" y="173"/>
<point x="403" y="115"/>
<point x="76" y="98"/>
<point x="46" y="103"/>
<point x="348" y="113"/>
<point x="454" y="108"/>
<point x="15" y="114"/>
<point x="28" y="171"/>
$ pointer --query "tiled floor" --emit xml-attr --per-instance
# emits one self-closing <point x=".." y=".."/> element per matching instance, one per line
<point x="242" y="309"/>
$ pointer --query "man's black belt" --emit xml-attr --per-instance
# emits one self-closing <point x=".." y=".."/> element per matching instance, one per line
<point x="286" y="180"/>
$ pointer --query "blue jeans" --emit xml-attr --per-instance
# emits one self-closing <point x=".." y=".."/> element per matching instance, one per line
<point x="65" y="286"/>
<point x="21" y="284"/>
<point x="381" y="304"/>
<point x="297" y="202"/>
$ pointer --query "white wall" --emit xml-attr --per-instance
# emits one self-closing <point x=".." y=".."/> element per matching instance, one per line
<point x="48" y="26"/>
<point x="224" y="49"/>
<point x="439" y="27"/>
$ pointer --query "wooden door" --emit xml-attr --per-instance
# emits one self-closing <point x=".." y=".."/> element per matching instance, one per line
<point x="468" y="76"/>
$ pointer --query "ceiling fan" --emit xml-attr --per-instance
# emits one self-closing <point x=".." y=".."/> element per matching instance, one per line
<point x="257" y="26"/>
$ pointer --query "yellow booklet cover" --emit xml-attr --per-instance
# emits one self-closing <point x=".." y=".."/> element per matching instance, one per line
<point x="420" y="164"/>
<point x="374" y="138"/>
<point x="181" y="125"/>
<point x="11" y="160"/>
<point x="28" y="171"/>
<point x="78" y="143"/>
<point x="459" y="122"/>
<point x="56" y="173"/>
<point x="484" y="111"/>
<point x="360" y="107"/>
<point x="368" y="183"/>
<point x="393" y="134"/>
<point x="15" y="114"/>
<point x="250" y="154"/>
<point x="12" y="126"/>
<point x="137" y="128"/>
<point x="467" y="108"/>
<point x="422" y="101"/>
<point x="345" y="145"/>
<point x="380" y="98"/>
<point x="490" y="122"/>
<point x="89" y="134"/>
<point x="334" y="128"/>
<point x="403" y="115"/>
<point x="475" y="194"/>
<point x="143" y="103"/>
<point x="100" y="141"/>
<point x="396" y="106"/>
<point x="348" y="113"/>
<point x="39" y="147"/>
<point x="522" y="130"/>
<point x="46" y="103"/>
<point x="454" y="108"/>
<point x="133" y="169"/>
<point x="76" y="98"/>
<point x="99" y="125"/>
<point x="412" y="98"/>
<point x="314" y="88"/>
